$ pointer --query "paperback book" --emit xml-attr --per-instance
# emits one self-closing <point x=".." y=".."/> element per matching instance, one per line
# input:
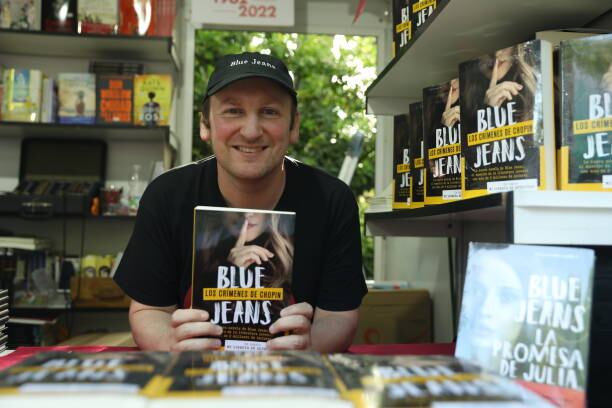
<point x="76" y="98"/>
<point x="59" y="16"/>
<point x="401" y="162"/>
<point x="424" y="381"/>
<point x="97" y="16"/>
<point x="296" y="378"/>
<point x="242" y="266"/>
<point x="442" y="141"/>
<point x="526" y="312"/>
<point x="22" y="95"/>
<point x="421" y="11"/>
<point x="162" y="19"/>
<point x="507" y="120"/>
<point x="20" y="14"/>
<point x="585" y="154"/>
<point x="152" y="99"/>
<point x="402" y="25"/>
<point x="417" y="155"/>
<point x="71" y="379"/>
<point x="114" y="95"/>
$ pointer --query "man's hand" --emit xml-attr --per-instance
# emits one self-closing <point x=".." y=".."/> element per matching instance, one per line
<point x="450" y="116"/>
<point x="243" y="256"/>
<point x="295" y="319"/>
<point x="502" y="92"/>
<point x="191" y="330"/>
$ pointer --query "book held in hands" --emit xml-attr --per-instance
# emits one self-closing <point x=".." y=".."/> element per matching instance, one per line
<point x="242" y="266"/>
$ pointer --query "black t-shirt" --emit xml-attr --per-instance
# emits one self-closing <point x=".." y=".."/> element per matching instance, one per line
<point x="156" y="266"/>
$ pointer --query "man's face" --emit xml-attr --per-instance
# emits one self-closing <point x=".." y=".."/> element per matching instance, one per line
<point x="250" y="128"/>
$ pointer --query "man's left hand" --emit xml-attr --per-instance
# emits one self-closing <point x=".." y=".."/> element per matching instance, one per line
<point x="295" y="319"/>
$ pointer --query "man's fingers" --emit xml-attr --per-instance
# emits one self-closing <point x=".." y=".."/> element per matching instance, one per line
<point x="294" y="323"/>
<point x="302" y="308"/>
<point x="196" y="345"/>
<point x="493" y="81"/>
<point x="243" y="234"/>
<point x="181" y="316"/>
<point x="291" y="342"/>
<point x="197" y="329"/>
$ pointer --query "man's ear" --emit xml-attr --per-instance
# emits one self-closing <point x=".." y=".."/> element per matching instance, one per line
<point x="294" y="132"/>
<point x="204" y="132"/>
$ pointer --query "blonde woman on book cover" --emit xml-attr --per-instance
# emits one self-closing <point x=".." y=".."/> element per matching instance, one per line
<point x="491" y="305"/>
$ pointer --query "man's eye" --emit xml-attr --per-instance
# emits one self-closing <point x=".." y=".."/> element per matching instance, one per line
<point x="270" y="111"/>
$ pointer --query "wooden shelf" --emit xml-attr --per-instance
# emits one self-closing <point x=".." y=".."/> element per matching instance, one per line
<point x="463" y="29"/>
<point x="527" y="217"/>
<point x="105" y="132"/>
<point x="95" y="46"/>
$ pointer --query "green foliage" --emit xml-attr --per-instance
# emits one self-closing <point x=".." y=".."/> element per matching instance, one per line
<point x="330" y="90"/>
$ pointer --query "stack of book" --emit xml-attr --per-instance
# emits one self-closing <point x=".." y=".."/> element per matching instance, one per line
<point x="4" y="310"/>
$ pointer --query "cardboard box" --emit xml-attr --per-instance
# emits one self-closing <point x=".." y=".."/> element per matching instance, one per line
<point x="97" y="292"/>
<point x="395" y="316"/>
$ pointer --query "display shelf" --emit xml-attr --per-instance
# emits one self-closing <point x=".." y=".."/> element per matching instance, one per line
<point x="526" y="217"/>
<point x="463" y="29"/>
<point x="115" y="47"/>
<point x="101" y="131"/>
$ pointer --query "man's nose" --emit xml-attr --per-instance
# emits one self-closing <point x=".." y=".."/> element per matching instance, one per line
<point x="251" y="128"/>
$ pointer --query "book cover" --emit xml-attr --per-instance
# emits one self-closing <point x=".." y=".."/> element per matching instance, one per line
<point x="585" y="153"/>
<point x="402" y="25"/>
<point x="114" y="95"/>
<point x="76" y="98"/>
<point x="48" y="108"/>
<point x="442" y="141"/>
<point x="526" y="312"/>
<point x="59" y="16"/>
<point x="401" y="162"/>
<point x="20" y="14"/>
<point x="97" y="16"/>
<point x="162" y="21"/>
<point x="224" y="378"/>
<point x="417" y="155"/>
<point x="507" y="120"/>
<point x="152" y="99"/>
<point x="22" y="95"/>
<point x="421" y="11"/>
<point x="72" y="379"/>
<point x="135" y="16"/>
<point x="242" y="266"/>
<point x="423" y="381"/>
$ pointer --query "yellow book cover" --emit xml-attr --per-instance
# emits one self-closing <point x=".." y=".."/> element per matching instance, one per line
<point x="22" y="95"/>
<point x="152" y="99"/>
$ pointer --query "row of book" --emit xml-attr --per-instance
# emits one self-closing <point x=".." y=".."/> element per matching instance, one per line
<point x="127" y="17"/>
<point x="274" y="379"/>
<point x="523" y="117"/>
<point x="4" y="316"/>
<point x="409" y="17"/>
<point x="27" y="95"/>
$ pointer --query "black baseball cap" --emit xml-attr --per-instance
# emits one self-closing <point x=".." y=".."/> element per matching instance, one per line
<point x="233" y="67"/>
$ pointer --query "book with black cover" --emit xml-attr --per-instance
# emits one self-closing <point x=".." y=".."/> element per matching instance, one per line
<point x="526" y="312"/>
<point x="59" y="16"/>
<point x="417" y="155"/>
<point x="242" y="266"/>
<point x="421" y="10"/>
<point x="507" y="120"/>
<point x="402" y="25"/>
<point x="401" y="162"/>
<point x="585" y="151"/>
<point x="442" y="140"/>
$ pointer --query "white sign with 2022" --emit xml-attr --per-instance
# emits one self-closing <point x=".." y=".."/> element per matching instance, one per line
<point x="244" y="12"/>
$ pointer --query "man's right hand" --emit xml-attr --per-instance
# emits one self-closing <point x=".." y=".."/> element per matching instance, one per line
<point x="191" y="330"/>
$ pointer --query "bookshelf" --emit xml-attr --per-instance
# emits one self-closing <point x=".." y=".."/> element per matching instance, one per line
<point x="455" y="32"/>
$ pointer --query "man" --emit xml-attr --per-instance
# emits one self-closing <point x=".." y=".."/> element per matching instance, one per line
<point x="250" y="117"/>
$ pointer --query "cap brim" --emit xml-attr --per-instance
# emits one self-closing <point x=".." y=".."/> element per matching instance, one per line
<point x="224" y="83"/>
